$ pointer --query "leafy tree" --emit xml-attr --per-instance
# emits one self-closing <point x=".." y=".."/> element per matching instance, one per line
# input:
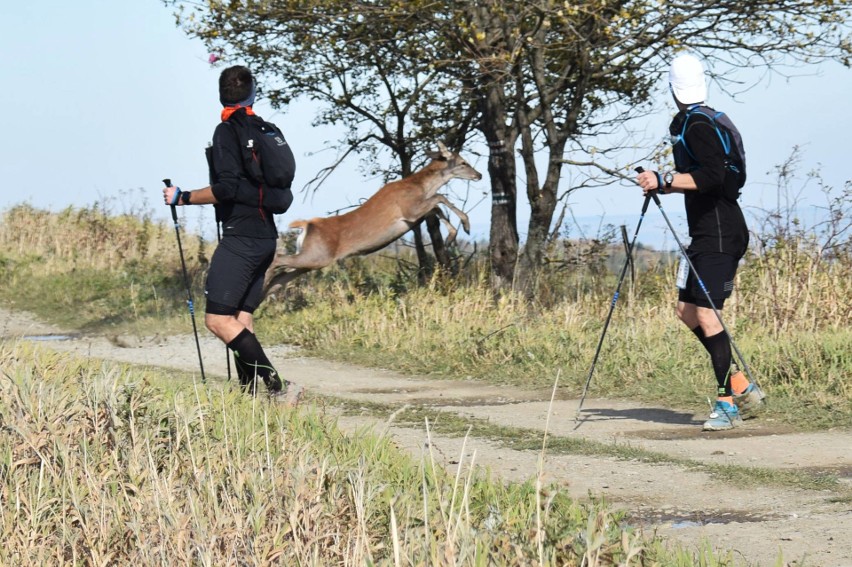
<point x="358" y="63"/>
<point x="553" y="75"/>
<point x="536" y="81"/>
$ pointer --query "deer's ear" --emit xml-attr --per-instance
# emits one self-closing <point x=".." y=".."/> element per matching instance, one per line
<point x="435" y="155"/>
<point x="444" y="151"/>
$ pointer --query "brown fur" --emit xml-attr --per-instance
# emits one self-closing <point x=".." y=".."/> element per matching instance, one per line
<point x="391" y="212"/>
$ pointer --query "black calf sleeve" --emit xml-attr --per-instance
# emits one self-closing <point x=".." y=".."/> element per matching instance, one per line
<point x="719" y="347"/>
<point x="245" y="375"/>
<point x="251" y="361"/>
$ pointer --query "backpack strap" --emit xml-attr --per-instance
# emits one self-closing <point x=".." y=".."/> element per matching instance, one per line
<point x="723" y="136"/>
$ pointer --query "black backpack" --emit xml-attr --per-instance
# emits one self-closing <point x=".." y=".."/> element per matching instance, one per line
<point x="729" y="136"/>
<point x="267" y="159"/>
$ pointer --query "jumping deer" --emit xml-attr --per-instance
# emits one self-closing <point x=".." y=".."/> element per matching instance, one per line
<point x="388" y="214"/>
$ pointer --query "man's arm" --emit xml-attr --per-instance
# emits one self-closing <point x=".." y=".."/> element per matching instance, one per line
<point x="203" y="196"/>
<point x="681" y="183"/>
<point x="707" y="148"/>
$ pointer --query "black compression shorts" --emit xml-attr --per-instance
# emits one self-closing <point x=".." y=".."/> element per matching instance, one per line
<point x="717" y="271"/>
<point x="235" y="278"/>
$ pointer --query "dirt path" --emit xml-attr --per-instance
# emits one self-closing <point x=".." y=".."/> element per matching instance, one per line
<point x="683" y="503"/>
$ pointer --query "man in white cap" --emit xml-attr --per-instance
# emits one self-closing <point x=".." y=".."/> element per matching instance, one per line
<point x="709" y="171"/>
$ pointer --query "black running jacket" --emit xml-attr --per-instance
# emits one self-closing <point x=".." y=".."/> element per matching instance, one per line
<point x="716" y="222"/>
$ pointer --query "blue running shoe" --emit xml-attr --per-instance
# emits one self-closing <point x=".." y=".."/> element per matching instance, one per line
<point x="724" y="416"/>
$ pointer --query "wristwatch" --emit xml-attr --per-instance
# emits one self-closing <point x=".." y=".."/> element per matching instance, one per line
<point x="184" y="197"/>
<point x="668" y="177"/>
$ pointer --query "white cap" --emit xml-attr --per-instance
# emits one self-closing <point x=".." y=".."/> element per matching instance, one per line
<point x="686" y="78"/>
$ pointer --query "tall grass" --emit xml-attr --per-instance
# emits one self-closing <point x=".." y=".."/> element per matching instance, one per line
<point x="800" y="272"/>
<point x="89" y="268"/>
<point x="106" y="465"/>
<point x="90" y="237"/>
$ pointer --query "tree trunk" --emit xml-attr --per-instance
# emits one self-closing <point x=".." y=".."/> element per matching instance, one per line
<point x="504" y="224"/>
<point x="439" y="247"/>
<point x="542" y="206"/>
<point x="424" y="261"/>
<point x="503" y="244"/>
<point x="532" y="257"/>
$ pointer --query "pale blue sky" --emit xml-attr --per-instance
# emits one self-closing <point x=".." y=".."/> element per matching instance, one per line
<point x="104" y="98"/>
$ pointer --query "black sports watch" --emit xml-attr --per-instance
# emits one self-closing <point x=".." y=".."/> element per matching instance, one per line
<point x="668" y="177"/>
<point x="184" y="197"/>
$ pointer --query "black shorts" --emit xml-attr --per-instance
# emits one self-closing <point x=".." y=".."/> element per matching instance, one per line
<point x="717" y="271"/>
<point x="235" y="278"/>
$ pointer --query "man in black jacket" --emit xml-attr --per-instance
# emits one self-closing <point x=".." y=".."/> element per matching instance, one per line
<point x="710" y="179"/>
<point x="235" y="280"/>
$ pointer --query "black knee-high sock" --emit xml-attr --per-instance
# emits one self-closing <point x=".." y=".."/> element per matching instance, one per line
<point x="719" y="347"/>
<point x="250" y="356"/>
<point x="699" y="332"/>
<point x="244" y="374"/>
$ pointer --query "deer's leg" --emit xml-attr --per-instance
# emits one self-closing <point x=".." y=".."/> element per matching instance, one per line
<point x="277" y="280"/>
<point x="451" y="230"/>
<point x="429" y="205"/>
<point x="459" y="213"/>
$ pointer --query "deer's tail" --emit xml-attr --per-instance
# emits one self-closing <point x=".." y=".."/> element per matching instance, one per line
<point x="302" y="226"/>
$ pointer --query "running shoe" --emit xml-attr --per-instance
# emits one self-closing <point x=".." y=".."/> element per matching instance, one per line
<point x="751" y="401"/>
<point x="724" y="416"/>
<point x="290" y="395"/>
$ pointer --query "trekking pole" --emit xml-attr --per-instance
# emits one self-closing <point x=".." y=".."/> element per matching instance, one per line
<point x="168" y="183"/>
<point x="627" y="262"/>
<point x="701" y="284"/>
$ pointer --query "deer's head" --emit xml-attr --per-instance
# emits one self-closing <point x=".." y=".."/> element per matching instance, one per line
<point x="456" y="166"/>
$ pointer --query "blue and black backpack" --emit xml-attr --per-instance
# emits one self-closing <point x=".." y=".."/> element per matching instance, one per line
<point x="729" y="136"/>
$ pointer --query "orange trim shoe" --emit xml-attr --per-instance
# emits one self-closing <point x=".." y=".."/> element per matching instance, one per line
<point x="751" y="401"/>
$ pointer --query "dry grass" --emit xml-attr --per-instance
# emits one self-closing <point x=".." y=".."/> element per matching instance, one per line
<point x="92" y="238"/>
<point x="90" y="269"/>
<point x="102" y="465"/>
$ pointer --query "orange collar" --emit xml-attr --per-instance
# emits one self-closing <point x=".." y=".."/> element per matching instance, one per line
<point x="229" y="110"/>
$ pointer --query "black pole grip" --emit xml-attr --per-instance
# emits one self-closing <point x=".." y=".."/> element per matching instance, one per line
<point x="168" y="183"/>
<point x="650" y="195"/>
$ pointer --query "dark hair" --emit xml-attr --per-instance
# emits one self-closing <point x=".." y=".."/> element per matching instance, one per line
<point x="235" y="84"/>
